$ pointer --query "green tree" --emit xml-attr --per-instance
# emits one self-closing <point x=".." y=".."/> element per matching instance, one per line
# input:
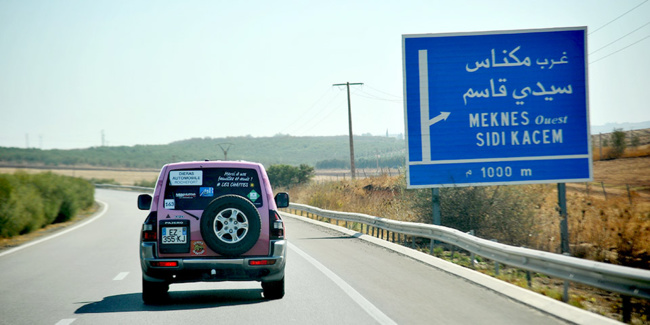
<point x="618" y="144"/>
<point x="287" y="176"/>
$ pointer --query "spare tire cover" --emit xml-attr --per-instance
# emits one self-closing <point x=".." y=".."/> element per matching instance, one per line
<point x="230" y="225"/>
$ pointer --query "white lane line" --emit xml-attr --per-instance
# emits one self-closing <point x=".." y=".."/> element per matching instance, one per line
<point x="66" y="321"/>
<point x="121" y="276"/>
<point x="100" y="214"/>
<point x="373" y="311"/>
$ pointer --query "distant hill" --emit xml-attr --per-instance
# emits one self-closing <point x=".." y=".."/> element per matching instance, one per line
<point x="610" y="127"/>
<point x="268" y="151"/>
<point x="321" y="152"/>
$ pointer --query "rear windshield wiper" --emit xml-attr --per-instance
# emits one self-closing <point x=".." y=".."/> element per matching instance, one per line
<point x="191" y="215"/>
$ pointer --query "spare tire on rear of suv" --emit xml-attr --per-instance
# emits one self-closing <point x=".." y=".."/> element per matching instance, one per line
<point x="230" y="225"/>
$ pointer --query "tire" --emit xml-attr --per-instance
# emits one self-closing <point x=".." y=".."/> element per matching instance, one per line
<point x="273" y="290"/>
<point x="230" y="225"/>
<point x="154" y="292"/>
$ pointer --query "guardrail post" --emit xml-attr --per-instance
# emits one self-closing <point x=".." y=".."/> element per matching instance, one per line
<point x="471" y="254"/>
<point x="529" y="279"/>
<point x="453" y="248"/>
<point x="496" y="268"/>
<point x="565" y="295"/>
<point x="627" y="309"/>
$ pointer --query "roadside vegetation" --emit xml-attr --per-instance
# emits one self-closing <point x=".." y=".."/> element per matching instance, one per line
<point x="288" y="176"/>
<point x="29" y="202"/>
<point x="611" y="230"/>
<point x="621" y="144"/>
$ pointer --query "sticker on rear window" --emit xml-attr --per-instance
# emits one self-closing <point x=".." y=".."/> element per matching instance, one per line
<point x="185" y="195"/>
<point x="169" y="204"/>
<point x="206" y="191"/>
<point x="186" y="177"/>
<point x="253" y="196"/>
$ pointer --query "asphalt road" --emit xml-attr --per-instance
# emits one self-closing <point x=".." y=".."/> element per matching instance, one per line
<point x="91" y="275"/>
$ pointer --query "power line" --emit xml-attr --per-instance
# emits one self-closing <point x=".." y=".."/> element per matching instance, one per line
<point x="610" y="54"/>
<point x="615" y="19"/>
<point x="309" y="126"/>
<point x="371" y="96"/>
<point x="618" y="39"/>
<point x="308" y="122"/>
<point x="309" y="110"/>
<point x="383" y="92"/>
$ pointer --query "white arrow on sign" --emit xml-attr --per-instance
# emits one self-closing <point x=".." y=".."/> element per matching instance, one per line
<point x="442" y="116"/>
<point x="425" y="121"/>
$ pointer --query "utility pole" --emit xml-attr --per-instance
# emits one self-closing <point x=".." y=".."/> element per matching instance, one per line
<point x="347" y="84"/>
<point x="225" y="151"/>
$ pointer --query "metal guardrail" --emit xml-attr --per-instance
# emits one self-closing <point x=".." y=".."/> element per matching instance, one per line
<point x="621" y="279"/>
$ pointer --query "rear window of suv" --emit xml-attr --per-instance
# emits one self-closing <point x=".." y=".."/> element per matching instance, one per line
<point x="194" y="189"/>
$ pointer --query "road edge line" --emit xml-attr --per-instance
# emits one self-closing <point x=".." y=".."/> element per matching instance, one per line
<point x="67" y="230"/>
<point x="357" y="297"/>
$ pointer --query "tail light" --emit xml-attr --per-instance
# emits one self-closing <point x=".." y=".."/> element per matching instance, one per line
<point x="277" y="225"/>
<point x="165" y="264"/>
<point x="261" y="262"/>
<point x="149" y="231"/>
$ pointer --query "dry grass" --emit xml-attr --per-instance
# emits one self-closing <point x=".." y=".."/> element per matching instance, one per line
<point x="640" y="151"/>
<point x="122" y="177"/>
<point x="377" y="196"/>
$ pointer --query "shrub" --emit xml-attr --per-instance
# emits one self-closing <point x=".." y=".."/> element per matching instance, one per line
<point x="287" y="176"/>
<point x="29" y="202"/>
<point x="145" y="183"/>
<point x="618" y="144"/>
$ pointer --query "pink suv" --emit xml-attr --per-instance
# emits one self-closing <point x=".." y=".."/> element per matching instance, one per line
<point x="212" y="221"/>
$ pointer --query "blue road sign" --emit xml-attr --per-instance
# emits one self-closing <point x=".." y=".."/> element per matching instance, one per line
<point x="508" y="107"/>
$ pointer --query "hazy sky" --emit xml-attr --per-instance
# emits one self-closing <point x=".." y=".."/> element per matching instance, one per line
<point x="153" y="72"/>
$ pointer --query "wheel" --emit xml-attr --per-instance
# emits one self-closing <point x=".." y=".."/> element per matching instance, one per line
<point x="230" y="225"/>
<point x="154" y="292"/>
<point x="273" y="290"/>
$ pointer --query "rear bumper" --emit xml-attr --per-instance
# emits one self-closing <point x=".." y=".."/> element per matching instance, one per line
<point x="214" y="269"/>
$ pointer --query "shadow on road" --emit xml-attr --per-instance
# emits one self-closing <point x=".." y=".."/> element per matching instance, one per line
<point x="177" y="300"/>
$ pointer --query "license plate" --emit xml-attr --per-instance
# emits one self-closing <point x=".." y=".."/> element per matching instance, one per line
<point x="174" y="235"/>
